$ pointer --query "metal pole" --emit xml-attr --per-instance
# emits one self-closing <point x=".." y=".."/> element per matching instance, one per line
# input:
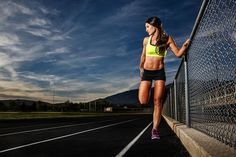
<point x="95" y="106"/>
<point x="170" y="98"/>
<point x="52" y="84"/>
<point x="186" y="94"/>
<point x="200" y="15"/>
<point x="175" y="100"/>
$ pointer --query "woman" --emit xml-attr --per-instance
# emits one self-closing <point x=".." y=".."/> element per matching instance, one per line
<point x="152" y="66"/>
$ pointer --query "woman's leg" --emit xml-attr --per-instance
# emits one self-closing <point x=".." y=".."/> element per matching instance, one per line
<point x="159" y="89"/>
<point x="144" y="90"/>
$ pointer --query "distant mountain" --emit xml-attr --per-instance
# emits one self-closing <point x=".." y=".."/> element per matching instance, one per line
<point x="126" y="98"/>
<point x="130" y="97"/>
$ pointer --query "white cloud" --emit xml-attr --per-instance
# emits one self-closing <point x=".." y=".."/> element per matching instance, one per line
<point x="12" y="71"/>
<point x="57" y="37"/>
<point x="58" y="51"/>
<point x="47" y="11"/>
<point x="11" y="9"/>
<point x="76" y="89"/>
<point x="14" y="57"/>
<point x="39" y="22"/>
<point x="39" y="77"/>
<point x="13" y="48"/>
<point x="126" y="13"/>
<point x="44" y="10"/>
<point x="78" y="61"/>
<point x="22" y="89"/>
<point x="7" y="39"/>
<point x="128" y="83"/>
<point x="129" y="10"/>
<point x="39" y="32"/>
<point x="22" y="54"/>
<point x="61" y="50"/>
<point x="26" y="88"/>
<point x="22" y="9"/>
<point x="6" y="65"/>
<point x="132" y="13"/>
<point x="5" y="59"/>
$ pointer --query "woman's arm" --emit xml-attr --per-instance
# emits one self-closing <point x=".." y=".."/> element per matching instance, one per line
<point x="143" y="55"/>
<point x="178" y="52"/>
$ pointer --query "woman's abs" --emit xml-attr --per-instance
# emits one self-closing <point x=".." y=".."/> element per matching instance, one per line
<point x="153" y="63"/>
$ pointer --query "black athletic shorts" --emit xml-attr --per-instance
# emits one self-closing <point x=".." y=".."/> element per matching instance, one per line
<point x="149" y="75"/>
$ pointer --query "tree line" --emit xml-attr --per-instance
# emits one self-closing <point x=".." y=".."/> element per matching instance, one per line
<point x="67" y="106"/>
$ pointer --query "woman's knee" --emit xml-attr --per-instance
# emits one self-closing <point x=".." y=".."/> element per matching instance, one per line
<point x="144" y="91"/>
<point x="143" y="101"/>
<point x="143" y="98"/>
<point x="158" y="102"/>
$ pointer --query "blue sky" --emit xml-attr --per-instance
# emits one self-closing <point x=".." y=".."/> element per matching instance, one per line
<point x="82" y="50"/>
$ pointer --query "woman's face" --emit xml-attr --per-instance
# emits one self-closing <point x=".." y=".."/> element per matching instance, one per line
<point x="150" y="29"/>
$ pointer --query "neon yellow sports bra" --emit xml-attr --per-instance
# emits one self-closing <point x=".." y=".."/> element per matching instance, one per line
<point x="154" y="51"/>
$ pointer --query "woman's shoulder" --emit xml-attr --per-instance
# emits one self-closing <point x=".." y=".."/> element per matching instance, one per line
<point x="170" y="39"/>
<point x="145" y="40"/>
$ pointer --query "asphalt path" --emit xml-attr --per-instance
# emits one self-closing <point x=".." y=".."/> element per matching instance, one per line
<point x="103" y="136"/>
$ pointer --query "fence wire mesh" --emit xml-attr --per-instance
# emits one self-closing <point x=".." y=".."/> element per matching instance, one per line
<point x="167" y="105"/>
<point x="212" y="81"/>
<point x="211" y="74"/>
<point x="180" y="94"/>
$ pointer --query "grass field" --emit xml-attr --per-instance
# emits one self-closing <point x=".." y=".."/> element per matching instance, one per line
<point x="37" y="115"/>
<point x="32" y="115"/>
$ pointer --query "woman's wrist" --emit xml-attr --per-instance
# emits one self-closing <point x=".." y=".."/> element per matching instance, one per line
<point x="184" y="47"/>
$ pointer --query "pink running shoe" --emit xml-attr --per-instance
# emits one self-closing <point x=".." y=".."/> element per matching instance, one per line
<point x="155" y="135"/>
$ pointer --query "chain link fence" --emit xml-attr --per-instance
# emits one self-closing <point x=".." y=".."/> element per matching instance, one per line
<point x="180" y="95"/>
<point x="211" y="75"/>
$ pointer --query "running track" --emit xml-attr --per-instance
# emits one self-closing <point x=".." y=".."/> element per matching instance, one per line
<point x="107" y="136"/>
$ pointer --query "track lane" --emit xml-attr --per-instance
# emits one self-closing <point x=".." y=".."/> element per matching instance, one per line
<point x="32" y="138"/>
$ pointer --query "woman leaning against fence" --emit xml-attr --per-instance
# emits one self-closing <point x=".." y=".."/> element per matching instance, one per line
<point x="152" y="66"/>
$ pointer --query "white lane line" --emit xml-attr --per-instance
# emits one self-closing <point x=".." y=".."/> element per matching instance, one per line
<point x="50" y="128"/>
<point x="61" y="137"/>
<point x="124" y="150"/>
<point x="26" y="126"/>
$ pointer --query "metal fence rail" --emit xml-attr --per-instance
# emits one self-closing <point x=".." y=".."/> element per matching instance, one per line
<point x="211" y="75"/>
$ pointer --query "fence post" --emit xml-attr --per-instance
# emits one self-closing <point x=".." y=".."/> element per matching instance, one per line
<point x="175" y="99"/>
<point x="171" y="103"/>
<point x="200" y="14"/>
<point x="186" y="92"/>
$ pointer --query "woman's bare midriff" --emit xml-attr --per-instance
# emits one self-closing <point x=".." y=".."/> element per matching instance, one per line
<point x="153" y="63"/>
